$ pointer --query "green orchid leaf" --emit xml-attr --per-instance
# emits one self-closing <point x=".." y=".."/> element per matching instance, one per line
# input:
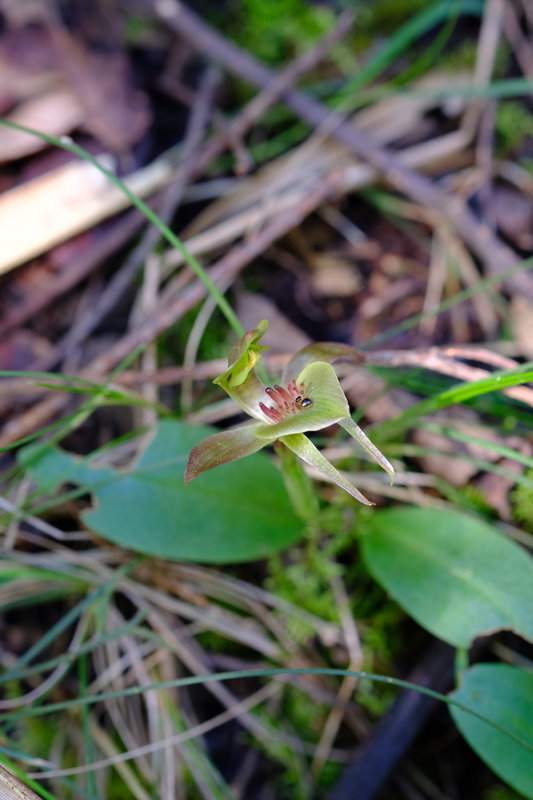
<point x="318" y="351"/>
<point x="354" y="430"/>
<point x="306" y="450"/>
<point x="502" y="694"/>
<point x="222" y="448"/>
<point x="456" y="575"/>
<point x="238" y="513"/>
<point x="318" y="384"/>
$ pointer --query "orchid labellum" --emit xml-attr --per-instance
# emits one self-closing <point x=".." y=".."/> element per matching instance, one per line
<point x="309" y="397"/>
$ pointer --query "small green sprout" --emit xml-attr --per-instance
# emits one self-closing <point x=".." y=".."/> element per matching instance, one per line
<point x="309" y="398"/>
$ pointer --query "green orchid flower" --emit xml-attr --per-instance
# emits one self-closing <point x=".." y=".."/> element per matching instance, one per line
<point x="309" y="398"/>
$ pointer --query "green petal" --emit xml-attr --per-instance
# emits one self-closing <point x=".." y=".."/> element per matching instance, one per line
<point x="354" y="430"/>
<point x="221" y="448"/>
<point x="248" y="395"/>
<point x="328" y="404"/>
<point x="240" y="380"/>
<point x="319" y="351"/>
<point x="306" y="450"/>
<point x="243" y="357"/>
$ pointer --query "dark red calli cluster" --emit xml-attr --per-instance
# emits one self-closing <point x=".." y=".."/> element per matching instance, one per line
<point x="287" y="401"/>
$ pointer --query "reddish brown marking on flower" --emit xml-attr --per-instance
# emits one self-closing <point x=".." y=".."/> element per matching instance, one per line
<point x="271" y="413"/>
<point x="284" y="393"/>
<point x="289" y="400"/>
<point x="293" y="389"/>
<point x="275" y="395"/>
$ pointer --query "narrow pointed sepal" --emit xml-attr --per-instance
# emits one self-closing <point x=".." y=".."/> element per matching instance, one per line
<point x="222" y="448"/>
<point x="306" y="450"/>
<point x="239" y="379"/>
<point x="376" y="455"/>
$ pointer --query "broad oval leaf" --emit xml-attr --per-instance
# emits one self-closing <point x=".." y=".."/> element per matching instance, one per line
<point x="454" y="574"/>
<point x="238" y="512"/>
<point x="503" y="694"/>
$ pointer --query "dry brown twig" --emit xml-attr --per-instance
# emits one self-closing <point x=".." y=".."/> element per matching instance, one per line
<point x="228" y="268"/>
<point x="166" y="315"/>
<point x="172" y="196"/>
<point x="518" y="41"/>
<point x="497" y="256"/>
<point x="236" y="710"/>
<point x="194" y="166"/>
<point x="444" y="360"/>
<point x="348" y="684"/>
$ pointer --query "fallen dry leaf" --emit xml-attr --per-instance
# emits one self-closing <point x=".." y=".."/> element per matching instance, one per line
<point x="334" y="277"/>
<point x="282" y="335"/>
<point x="65" y="202"/>
<point x="56" y="113"/>
<point x="116" y="113"/>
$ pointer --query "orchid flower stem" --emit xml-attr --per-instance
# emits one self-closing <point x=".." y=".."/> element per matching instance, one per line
<point x="298" y="484"/>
